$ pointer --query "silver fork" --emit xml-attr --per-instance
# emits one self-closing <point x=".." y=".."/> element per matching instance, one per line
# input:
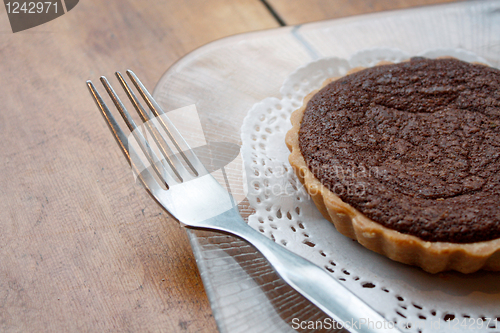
<point x="197" y="200"/>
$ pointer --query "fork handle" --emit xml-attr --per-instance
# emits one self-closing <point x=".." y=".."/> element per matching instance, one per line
<point x="308" y="279"/>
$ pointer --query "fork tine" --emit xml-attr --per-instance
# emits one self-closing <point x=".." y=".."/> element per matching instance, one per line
<point x="153" y="160"/>
<point x="172" y="160"/>
<point x="180" y="144"/>
<point x="140" y="170"/>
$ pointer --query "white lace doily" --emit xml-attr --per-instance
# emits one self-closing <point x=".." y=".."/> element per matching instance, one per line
<point x="285" y="213"/>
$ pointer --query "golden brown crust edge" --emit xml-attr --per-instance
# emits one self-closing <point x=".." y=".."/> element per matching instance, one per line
<point x="433" y="257"/>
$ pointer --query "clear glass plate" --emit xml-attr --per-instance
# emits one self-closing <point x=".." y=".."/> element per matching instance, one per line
<point x="224" y="79"/>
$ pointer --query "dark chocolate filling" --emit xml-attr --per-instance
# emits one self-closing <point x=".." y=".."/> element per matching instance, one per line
<point x="414" y="146"/>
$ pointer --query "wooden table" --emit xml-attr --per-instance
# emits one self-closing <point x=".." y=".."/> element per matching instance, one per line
<point x="81" y="247"/>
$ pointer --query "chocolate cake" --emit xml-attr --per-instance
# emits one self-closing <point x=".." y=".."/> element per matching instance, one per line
<point x="413" y="148"/>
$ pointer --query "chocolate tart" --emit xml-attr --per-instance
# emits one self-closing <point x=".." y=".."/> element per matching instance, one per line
<point x="405" y="159"/>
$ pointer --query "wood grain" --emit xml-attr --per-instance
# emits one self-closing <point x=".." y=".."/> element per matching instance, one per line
<point x="82" y="247"/>
<point x="304" y="11"/>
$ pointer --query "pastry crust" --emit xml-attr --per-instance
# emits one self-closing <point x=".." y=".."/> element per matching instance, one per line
<point x="432" y="257"/>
